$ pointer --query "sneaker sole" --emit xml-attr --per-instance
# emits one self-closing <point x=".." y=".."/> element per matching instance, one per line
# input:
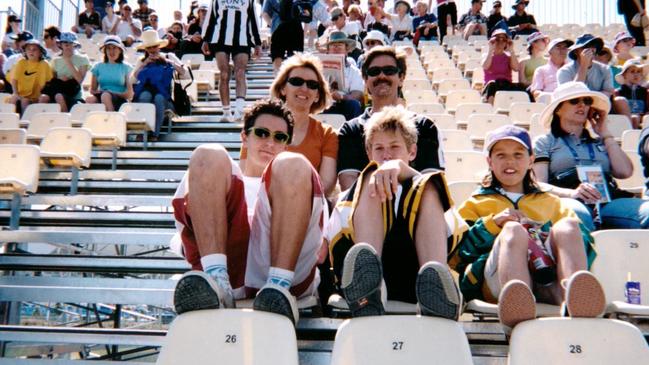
<point x="361" y="281"/>
<point x="195" y="292"/>
<point x="585" y="296"/>
<point x="278" y="301"/>
<point x="437" y="294"/>
<point x="516" y="304"/>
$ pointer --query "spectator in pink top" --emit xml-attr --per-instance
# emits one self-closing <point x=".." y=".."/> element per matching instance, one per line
<point x="498" y="65"/>
<point x="545" y="77"/>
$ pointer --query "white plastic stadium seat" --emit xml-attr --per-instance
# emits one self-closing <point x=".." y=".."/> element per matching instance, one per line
<point x="420" y="96"/>
<point x="426" y="108"/>
<point x="504" y="99"/>
<point x="457" y="97"/>
<point x="41" y="123"/>
<point x="107" y="128"/>
<point x="620" y="253"/>
<point x="7" y="108"/>
<point x="635" y="183"/>
<point x="617" y="124"/>
<point x="139" y="116"/>
<point x="630" y="139"/>
<point x="80" y="110"/>
<point x="465" y="165"/>
<point x="521" y="112"/>
<point x="230" y="336"/>
<point x="37" y="108"/>
<point x="4" y="98"/>
<point x="9" y="120"/>
<point x="19" y="168"/>
<point x="577" y="341"/>
<point x="463" y="111"/>
<point x="462" y="190"/>
<point x="455" y="140"/>
<point x="416" y="84"/>
<point x="205" y="77"/>
<point x="192" y="59"/>
<point x="334" y="120"/>
<point x="445" y="86"/>
<point x="67" y="147"/>
<point x="384" y="340"/>
<point x="443" y="121"/>
<point x="12" y="136"/>
<point x="480" y="124"/>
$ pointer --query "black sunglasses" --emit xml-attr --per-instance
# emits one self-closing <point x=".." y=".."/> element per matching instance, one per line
<point x="298" y="81"/>
<point x="386" y="70"/>
<point x="334" y="18"/>
<point x="263" y="133"/>
<point x="588" y="101"/>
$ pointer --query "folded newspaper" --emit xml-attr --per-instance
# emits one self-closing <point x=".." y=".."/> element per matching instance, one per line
<point x="333" y="68"/>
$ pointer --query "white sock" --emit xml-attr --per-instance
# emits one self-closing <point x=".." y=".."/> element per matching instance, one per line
<point x="240" y="103"/>
<point x="281" y="277"/>
<point x="226" y="109"/>
<point x="216" y="266"/>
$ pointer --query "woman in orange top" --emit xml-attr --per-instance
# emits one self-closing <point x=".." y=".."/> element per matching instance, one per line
<point x="302" y="87"/>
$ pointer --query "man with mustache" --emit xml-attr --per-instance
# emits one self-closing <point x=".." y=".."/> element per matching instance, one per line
<point x="384" y="71"/>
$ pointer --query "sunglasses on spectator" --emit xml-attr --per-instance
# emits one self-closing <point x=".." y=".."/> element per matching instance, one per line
<point x="335" y="18"/>
<point x="298" y="81"/>
<point x="588" y="101"/>
<point x="263" y="133"/>
<point x="386" y="70"/>
<point x="373" y="43"/>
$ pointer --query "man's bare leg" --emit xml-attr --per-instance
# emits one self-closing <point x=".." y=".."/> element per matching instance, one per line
<point x="240" y="65"/>
<point x="223" y="63"/>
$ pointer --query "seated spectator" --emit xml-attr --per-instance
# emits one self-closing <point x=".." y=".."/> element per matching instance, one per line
<point x="401" y="22"/>
<point x="12" y="30"/>
<point x="495" y="17"/>
<point x="304" y="91"/>
<point x="89" y="21"/>
<point x="19" y="42"/>
<point x="373" y="39"/>
<point x="374" y="18"/>
<point x="143" y="12"/>
<point x="29" y="75"/>
<point x="631" y="80"/>
<point x="380" y="231"/>
<point x="127" y="28"/>
<point x="510" y="209"/>
<point x="178" y="17"/>
<point x="154" y="74"/>
<point x="595" y="75"/>
<point x="321" y="21"/>
<point x="498" y="65"/>
<point x="194" y="40"/>
<point x="223" y="213"/>
<point x="605" y="57"/>
<point x="570" y="146"/>
<point x="521" y="22"/>
<point x="545" y="77"/>
<point x="110" y="19"/>
<point x="51" y="37"/>
<point x="174" y="35"/>
<point x="69" y="71"/>
<point x="384" y="71"/>
<point x="622" y="46"/>
<point x="355" y="14"/>
<point x="347" y="99"/>
<point x="153" y="22"/>
<point x="424" y="24"/>
<point x="473" y="22"/>
<point x="340" y="24"/>
<point x="110" y="83"/>
<point x="536" y="45"/>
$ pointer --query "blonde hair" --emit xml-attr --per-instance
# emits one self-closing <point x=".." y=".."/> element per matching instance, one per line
<point x="392" y="119"/>
<point x="355" y="8"/>
<point x="301" y="60"/>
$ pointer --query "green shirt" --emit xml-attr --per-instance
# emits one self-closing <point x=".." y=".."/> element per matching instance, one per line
<point x="62" y="70"/>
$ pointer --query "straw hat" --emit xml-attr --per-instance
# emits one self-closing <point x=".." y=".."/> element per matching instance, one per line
<point x="150" y="38"/>
<point x="572" y="90"/>
<point x="635" y="62"/>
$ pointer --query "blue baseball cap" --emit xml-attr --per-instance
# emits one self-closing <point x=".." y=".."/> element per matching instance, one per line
<point x="509" y="132"/>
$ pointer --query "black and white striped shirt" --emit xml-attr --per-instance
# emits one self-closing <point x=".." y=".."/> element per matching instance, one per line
<point x="232" y="23"/>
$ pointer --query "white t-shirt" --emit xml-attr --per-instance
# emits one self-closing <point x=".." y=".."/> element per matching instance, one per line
<point x="10" y="62"/>
<point x="513" y="196"/>
<point x="251" y="187"/>
<point x="108" y="24"/>
<point x="353" y="77"/>
<point x="352" y="28"/>
<point x="124" y="29"/>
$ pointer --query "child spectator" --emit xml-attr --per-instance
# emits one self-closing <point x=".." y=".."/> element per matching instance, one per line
<point x="537" y="43"/>
<point x="631" y="79"/>
<point x="29" y="75"/>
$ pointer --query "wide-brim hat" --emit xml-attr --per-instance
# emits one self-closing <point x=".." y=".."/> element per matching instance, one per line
<point x="150" y="38"/>
<point x="571" y="90"/>
<point x="202" y="6"/>
<point x="374" y="35"/>
<point x="500" y="31"/>
<point x="404" y="2"/>
<point x="585" y="40"/>
<point x="37" y="43"/>
<point x="621" y="36"/>
<point x="69" y="37"/>
<point x="341" y="37"/>
<point x="112" y="40"/>
<point x="556" y="41"/>
<point x="518" y="2"/>
<point x="635" y="62"/>
<point x="535" y="37"/>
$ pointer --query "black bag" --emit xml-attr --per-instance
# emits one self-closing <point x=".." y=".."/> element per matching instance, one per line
<point x="182" y="102"/>
<point x="300" y="10"/>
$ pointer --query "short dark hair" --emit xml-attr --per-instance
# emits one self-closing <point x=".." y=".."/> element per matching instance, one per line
<point x="271" y="107"/>
<point x="52" y="31"/>
<point x="399" y="58"/>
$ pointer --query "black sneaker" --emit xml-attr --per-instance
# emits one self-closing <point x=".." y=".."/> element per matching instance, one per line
<point x="197" y="290"/>
<point x="437" y="294"/>
<point x="276" y="299"/>
<point x="361" y="281"/>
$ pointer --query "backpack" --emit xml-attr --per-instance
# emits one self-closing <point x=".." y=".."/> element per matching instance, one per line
<point x="181" y="101"/>
<point x="298" y="10"/>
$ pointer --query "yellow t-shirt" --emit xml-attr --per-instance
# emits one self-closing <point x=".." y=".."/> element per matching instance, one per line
<point x="30" y="77"/>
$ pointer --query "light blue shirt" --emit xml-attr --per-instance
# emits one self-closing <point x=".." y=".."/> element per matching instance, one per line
<point x="598" y="77"/>
<point x="271" y="7"/>
<point x="111" y="76"/>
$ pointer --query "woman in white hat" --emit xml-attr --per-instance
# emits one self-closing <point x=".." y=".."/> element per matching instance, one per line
<point x="110" y="83"/>
<point x="69" y="71"/>
<point x="581" y="164"/>
<point x="537" y="42"/>
<point x="154" y="74"/>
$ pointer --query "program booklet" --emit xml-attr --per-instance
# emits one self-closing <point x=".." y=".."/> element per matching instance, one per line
<point x="333" y="68"/>
<point x="594" y="175"/>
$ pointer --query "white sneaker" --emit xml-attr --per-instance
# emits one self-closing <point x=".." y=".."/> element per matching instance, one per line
<point x="227" y="116"/>
<point x="236" y="114"/>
